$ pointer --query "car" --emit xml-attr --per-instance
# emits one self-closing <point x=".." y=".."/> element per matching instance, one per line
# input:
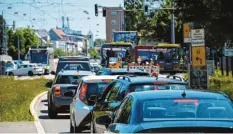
<point x="72" y="62"/>
<point x="123" y="85"/>
<point x="122" y="71"/>
<point x="61" y="91"/>
<point x="39" y="70"/>
<point x="81" y="106"/>
<point x="23" y="70"/>
<point x="173" y="111"/>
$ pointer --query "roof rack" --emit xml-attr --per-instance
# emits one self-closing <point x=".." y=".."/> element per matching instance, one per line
<point x="175" y="77"/>
<point x="124" y="78"/>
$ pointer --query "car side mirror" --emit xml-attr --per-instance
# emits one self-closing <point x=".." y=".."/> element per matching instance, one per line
<point x="53" y="72"/>
<point x="49" y="84"/>
<point x="103" y="120"/>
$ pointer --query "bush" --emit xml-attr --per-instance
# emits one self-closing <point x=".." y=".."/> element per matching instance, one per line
<point x="16" y="97"/>
<point x="218" y="82"/>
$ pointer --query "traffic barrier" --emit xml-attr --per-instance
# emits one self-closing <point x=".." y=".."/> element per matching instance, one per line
<point x="150" y="69"/>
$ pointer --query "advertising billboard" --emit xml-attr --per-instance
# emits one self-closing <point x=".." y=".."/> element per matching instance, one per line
<point x="125" y="36"/>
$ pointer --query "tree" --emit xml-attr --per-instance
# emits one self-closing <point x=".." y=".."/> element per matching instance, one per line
<point x="93" y="53"/>
<point x="99" y="42"/>
<point x="58" y="52"/>
<point x="2" y="21"/>
<point x="27" y="38"/>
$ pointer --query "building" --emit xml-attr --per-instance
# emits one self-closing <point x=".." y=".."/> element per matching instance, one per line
<point x="56" y="34"/>
<point x="43" y="36"/>
<point x="114" y="21"/>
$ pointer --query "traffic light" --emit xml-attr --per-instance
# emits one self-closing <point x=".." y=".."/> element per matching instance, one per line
<point x="104" y="11"/>
<point x="96" y="10"/>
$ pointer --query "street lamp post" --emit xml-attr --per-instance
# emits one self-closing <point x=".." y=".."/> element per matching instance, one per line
<point x="172" y="24"/>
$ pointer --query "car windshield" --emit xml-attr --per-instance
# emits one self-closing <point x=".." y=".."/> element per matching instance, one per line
<point x="83" y="66"/>
<point x="68" y="79"/>
<point x="185" y="109"/>
<point x="157" y="86"/>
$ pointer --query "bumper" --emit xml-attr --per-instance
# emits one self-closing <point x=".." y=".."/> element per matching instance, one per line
<point x="62" y="103"/>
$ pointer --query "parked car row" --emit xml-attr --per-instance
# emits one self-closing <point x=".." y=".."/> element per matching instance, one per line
<point x="131" y="101"/>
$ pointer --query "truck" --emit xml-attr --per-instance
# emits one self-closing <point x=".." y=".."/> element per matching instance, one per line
<point x="41" y="55"/>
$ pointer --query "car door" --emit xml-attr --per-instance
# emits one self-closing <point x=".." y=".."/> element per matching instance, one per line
<point x="21" y="70"/>
<point x="25" y="69"/>
<point x="76" y="94"/>
<point x="106" y="105"/>
<point x="122" y="117"/>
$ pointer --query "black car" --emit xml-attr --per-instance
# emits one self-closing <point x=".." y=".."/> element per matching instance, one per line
<point x="117" y="90"/>
<point x="172" y="111"/>
<point x="122" y="71"/>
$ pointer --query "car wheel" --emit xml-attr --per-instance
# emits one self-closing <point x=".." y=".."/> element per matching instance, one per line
<point x="71" y="127"/>
<point x="11" y="74"/>
<point x="30" y="73"/>
<point x="52" y="113"/>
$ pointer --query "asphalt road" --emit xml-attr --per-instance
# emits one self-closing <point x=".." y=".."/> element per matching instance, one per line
<point x="59" y="125"/>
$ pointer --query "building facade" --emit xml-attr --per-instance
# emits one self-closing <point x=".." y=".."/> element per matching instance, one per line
<point x="114" y="22"/>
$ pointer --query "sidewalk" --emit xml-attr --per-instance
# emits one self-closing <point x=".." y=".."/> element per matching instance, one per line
<point x="17" y="127"/>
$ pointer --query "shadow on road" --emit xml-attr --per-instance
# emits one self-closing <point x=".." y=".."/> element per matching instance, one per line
<point x="58" y="117"/>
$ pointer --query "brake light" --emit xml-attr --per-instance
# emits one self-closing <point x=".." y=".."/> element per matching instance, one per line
<point x="107" y="80"/>
<point x="82" y="94"/>
<point x="160" y="83"/>
<point x="57" y="91"/>
<point x="187" y="100"/>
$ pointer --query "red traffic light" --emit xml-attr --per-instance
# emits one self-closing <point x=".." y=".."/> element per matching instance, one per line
<point x="104" y="11"/>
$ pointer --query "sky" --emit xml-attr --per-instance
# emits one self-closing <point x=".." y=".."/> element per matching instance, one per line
<point x="46" y="14"/>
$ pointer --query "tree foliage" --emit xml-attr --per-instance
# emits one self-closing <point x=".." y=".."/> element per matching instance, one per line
<point x="58" y="52"/>
<point x="155" y="26"/>
<point x="215" y="16"/>
<point x="93" y="53"/>
<point x="27" y="38"/>
<point x="99" y="42"/>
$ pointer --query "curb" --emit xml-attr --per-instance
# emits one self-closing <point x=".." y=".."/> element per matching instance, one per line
<point x="40" y="129"/>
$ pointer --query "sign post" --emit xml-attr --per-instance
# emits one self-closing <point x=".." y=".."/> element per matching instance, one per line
<point x="198" y="72"/>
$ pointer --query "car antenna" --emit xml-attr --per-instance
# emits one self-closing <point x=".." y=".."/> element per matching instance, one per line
<point x="183" y="94"/>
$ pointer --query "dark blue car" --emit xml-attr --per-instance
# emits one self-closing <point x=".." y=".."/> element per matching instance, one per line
<point x="171" y="111"/>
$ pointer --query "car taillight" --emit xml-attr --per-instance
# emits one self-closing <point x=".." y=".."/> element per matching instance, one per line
<point x="82" y="94"/>
<point x="57" y="91"/>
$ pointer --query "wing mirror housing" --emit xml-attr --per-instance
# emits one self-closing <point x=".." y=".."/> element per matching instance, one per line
<point x="104" y="120"/>
<point x="49" y="84"/>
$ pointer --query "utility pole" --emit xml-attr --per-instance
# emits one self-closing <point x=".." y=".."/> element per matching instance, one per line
<point x="18" y="43"/>
<point x="172" y="24"/>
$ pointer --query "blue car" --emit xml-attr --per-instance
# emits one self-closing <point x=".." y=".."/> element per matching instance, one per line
<point x="171" y="111"/>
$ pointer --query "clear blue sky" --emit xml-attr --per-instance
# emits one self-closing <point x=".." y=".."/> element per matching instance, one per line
<point x="46" y="14"/>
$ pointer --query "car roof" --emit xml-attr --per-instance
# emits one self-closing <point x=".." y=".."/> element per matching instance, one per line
<point x="176" y="94"/>
<point x="147" y="79"/>
<point x="74" y="72"/>
<point x="101" y="77"/>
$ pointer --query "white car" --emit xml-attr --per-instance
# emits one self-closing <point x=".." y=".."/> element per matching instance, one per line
<point x="25" y="70"/>
<point x="81" y="106"/>
<point x="39" y="70"/>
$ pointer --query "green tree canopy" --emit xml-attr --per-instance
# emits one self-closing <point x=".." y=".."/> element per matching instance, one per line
<point x="93" y="53"/>
<point x="58" y="52"/>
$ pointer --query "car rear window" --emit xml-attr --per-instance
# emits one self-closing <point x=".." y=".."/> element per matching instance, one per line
<point x="68" y="79"/>
<point x="173" y="109"/>
<point x="84" y="66"/>
<point x="96" y="88"/>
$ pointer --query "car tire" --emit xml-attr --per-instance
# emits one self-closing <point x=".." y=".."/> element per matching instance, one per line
<point x="52" y="113"/>
<point x="30" y="73"/>
<point x="11" y="74"/>
<point x="71" y="127"/>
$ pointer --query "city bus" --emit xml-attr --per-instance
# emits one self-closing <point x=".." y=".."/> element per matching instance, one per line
<point x="145" y="52"/>
<point x="117" y="50"/>
<point x="168" y="57"/>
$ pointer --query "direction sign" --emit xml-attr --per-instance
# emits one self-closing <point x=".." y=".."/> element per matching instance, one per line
<point x="198" y="37"/>
<point x="187" y="33"/>
<point x="198" y="56"/>
<point x="198" y="77"/>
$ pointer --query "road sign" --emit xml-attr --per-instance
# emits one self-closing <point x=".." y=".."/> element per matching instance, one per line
<point x="198" y="56"/>
<point x="210" y="67"/>
<point x="198" y="37"/>
<point x="187" y="33"/>
<point x="198" y="78"/>
<point x="228" y="52"/>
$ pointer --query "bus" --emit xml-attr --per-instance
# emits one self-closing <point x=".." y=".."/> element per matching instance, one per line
<point x="168" y="57"/>
<point x="146" y="53"/>
<point x="41" y="55"/>
<point x="116" y="50"/>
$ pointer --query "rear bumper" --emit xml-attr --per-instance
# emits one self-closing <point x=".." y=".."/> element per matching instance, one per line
<point x="62" y="103"/>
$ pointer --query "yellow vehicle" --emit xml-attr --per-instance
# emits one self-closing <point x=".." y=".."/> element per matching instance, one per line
<point x="168" y="57"/>
<point x="113" y="55"/>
